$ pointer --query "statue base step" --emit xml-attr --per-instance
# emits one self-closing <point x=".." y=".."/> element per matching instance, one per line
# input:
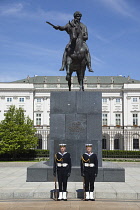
<point x="42" y="172"/>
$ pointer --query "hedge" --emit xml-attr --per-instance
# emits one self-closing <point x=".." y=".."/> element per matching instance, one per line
<point x="40" y="153"/>
<point x="26" y="155"/>
<point x="120" y="154"/>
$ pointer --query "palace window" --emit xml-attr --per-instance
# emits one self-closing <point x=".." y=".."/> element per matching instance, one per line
<point x="104" y="143"/>
<point x="104" y="100"/>
<point x="104" y="119"/>
<point x="135" y="119"/>
<point x="21" y="99"/>
<point x="135" y="143"/>
<point x="9" y="99"/>
<point x="118" y="119"/>
<point x="118" y="100"/>
<point x="116" y="144"/>
<point x="38" y="119"/>
<point x="38" y="100"/>
<point x="135" y="99"/>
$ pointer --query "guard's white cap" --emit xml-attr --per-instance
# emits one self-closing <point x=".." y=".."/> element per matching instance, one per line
<point x="62" y="145"/>
<point x="88" y="145"/>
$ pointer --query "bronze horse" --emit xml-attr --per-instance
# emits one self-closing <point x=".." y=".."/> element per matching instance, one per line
<point x="76" y="56"/>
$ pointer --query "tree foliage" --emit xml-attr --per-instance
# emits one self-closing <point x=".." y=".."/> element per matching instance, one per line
<point x="17" y="133"/>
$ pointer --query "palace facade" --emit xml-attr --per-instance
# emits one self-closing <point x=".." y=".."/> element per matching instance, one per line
<point x="120" y="106"/>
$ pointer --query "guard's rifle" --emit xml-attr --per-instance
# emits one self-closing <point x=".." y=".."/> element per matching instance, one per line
<point x="55" y="193"/>
<point x="55" y="180"/>
<point x="84" y="187"/>
<point x="83" y="178"/>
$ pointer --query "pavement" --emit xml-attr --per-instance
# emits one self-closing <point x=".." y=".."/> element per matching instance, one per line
<point x="71" y="204"/>
<point x="15" y="191"/>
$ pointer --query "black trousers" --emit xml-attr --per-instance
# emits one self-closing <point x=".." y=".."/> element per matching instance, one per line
<point x="89" y="181"/>
<point x="62" y="175"/>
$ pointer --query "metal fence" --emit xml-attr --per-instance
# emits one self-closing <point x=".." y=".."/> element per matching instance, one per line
<point x="121" y="139"/>
<point x="112" y="139"/>
<point x="43" y="138"/>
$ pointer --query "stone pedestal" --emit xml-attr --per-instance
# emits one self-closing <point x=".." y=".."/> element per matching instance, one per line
<point x="41" y="172"/>
<point x="76" y="119"/>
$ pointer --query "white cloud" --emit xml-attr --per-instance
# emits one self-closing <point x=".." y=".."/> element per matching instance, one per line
<point x="27" y="59"/>
<point x="7" y="78"/>
<point x="101" y="38"/>
<point x="11" y="9"/>
<point x="55" y="16"/>
<point x="19" y="70"/>
<point x="122" y="7"/>
<point x="26" y="49"/>
<point x="96" y="60"/>
<point x="19" y="10"/>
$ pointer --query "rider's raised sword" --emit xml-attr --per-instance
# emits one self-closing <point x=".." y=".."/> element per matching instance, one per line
<point x="50" y="24"/>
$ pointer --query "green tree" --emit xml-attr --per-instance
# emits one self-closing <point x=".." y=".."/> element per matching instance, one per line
<point x="17" y="133"/>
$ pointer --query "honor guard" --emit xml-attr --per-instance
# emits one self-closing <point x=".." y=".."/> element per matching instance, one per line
<point x="62" y="165"/>
<point x="89" y="170"/>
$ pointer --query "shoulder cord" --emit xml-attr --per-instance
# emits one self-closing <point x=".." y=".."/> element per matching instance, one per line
<point x="85" y="160"/>
<point x="57" y="158"/>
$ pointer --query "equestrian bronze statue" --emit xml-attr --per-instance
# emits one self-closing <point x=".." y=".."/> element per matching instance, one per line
<point x="76" y="56"/>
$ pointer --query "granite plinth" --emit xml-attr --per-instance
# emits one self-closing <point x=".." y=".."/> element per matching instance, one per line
<point x="76" y="119"/>
<point x="42" y="172"/>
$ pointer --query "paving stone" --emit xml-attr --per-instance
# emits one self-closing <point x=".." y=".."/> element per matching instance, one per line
<point x="127" y="190"/>
<point x="127" y="195"/>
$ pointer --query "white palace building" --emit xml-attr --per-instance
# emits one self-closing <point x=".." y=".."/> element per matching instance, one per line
<point x="120" y="106"/>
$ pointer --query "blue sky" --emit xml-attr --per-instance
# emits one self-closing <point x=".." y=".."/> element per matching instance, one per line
<point x="29" y="46"/>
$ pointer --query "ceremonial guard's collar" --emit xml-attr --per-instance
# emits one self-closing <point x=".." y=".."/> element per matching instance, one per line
<point x="62" y="154"/>
<point x="88" y="153"/>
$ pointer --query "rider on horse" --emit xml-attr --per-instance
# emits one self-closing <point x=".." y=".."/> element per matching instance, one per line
<point x="75" y="22"/>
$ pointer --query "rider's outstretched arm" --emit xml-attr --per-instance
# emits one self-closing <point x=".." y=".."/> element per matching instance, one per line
<point x="61" y="28"/>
